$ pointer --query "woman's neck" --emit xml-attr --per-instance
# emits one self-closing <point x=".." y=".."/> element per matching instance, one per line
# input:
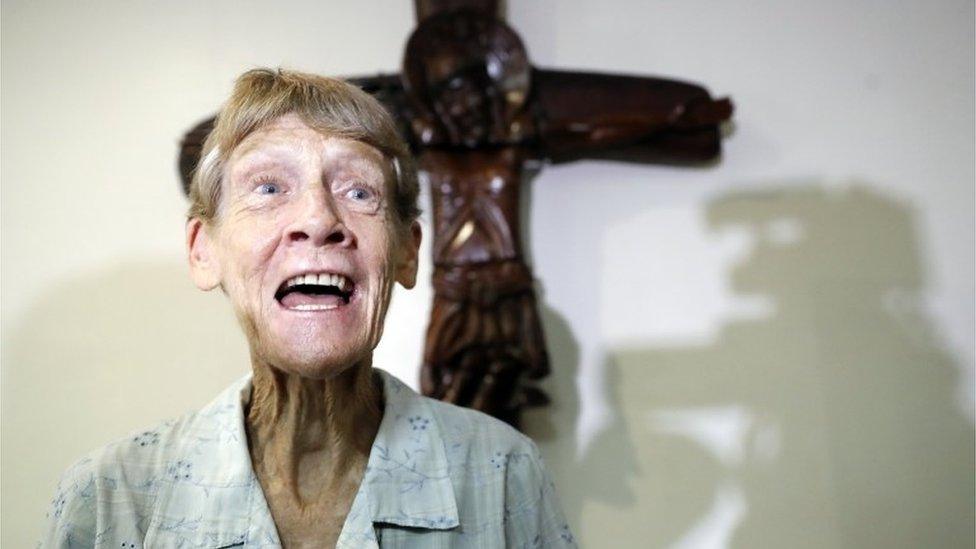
<point x="308" y="437"/>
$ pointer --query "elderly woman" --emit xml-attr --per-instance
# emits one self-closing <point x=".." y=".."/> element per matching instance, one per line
<point x="304" y="214"/>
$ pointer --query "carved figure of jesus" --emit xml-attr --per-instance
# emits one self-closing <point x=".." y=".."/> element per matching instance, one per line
<point x="478" y="113"/>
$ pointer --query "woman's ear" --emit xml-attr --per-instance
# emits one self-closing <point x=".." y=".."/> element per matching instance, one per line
<point x="204" y="267"/>
<point x="406" y="272"/>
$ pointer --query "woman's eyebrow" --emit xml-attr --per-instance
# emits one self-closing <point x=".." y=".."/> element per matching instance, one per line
<point x="353" y="165"/>
<point x="355" y="152"/>
<point x="356" y="169"/>
<point x="257" y="166"/>
<point x="258" y="161"/>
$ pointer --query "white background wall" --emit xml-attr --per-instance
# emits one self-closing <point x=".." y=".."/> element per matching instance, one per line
<point x="776" y="351"/>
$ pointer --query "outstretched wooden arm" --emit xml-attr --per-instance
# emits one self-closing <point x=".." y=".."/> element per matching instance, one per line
<point x="634" y="119"/>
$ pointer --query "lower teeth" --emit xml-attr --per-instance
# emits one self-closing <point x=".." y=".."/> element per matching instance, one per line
<point x="314" y="307"/>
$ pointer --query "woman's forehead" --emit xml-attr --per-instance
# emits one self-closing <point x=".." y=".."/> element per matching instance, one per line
<point x="290" y="138"/>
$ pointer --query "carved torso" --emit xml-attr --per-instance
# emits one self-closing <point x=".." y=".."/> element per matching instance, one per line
<point x="475" y="196"/>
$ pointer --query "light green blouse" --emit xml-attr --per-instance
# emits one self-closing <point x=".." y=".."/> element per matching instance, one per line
<point x="438" y="476"/>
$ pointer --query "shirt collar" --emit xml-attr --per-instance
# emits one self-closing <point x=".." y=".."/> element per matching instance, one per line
<point x="407" y="479"/>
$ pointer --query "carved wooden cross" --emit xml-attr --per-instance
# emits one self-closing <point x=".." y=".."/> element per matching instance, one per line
<point x="475" y="113"/>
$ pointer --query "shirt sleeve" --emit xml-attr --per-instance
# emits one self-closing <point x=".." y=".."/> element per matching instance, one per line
<point x="533" y="517"/>
<point x="71" y="515"/>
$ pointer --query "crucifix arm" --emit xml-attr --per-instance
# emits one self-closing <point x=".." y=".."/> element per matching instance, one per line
<point x="636" y="119"/>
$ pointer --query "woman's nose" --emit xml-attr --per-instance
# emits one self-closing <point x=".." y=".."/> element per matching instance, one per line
<point x="318" y="222"/>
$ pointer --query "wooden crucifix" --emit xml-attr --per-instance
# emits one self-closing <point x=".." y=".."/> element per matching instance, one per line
<point x="476" y="112"/>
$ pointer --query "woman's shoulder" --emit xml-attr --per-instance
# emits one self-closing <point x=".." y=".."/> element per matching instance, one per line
<point x="118" y="478"/>
<point x="493" y="466"/>
<point x="146" y="451"/>
<point x="458" y="426"/>
<point x="480" y="447"/>
<point x="123" y="480"/>
<point x="138" y="445"/>
<point x="474" y="427"/>
<point x="151" y="454"/>
<point x="128" y="462"/>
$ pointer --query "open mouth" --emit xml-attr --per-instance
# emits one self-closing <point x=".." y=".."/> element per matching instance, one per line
<point x="315" y="292"/>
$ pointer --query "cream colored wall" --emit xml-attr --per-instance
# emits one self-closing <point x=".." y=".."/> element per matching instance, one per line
<point x="773" y="352"/>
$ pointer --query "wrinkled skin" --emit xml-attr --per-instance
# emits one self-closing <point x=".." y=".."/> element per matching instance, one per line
<point x="294" y="201"/>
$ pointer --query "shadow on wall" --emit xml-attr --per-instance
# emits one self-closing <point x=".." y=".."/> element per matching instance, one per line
<point x="605" y="471"/>
<point x="97" y="357"/>
<point x="831" y="423"/>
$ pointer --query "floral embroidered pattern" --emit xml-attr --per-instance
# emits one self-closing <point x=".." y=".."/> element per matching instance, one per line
<point x="57" y="504"/>
<point x="180" y="470"/>
<point x="146" y="438"/>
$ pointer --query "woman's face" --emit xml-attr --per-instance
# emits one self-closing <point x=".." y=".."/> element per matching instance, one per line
<point x="305" y="245"/>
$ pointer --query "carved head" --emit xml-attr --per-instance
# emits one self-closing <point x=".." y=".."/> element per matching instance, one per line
<point x="468" y="75"/>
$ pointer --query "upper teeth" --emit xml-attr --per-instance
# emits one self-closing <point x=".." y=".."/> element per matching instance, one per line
<point x="322" y="279"/>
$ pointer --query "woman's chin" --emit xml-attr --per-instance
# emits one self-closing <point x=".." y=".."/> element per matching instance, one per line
<point x="315" y="361"/>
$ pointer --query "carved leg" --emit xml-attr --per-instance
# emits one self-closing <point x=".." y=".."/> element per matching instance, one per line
<point x="485" y="340"/>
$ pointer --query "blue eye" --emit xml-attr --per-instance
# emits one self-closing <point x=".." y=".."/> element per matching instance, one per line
<point x="359" y="193"/>
<point x="268" y="188"/>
